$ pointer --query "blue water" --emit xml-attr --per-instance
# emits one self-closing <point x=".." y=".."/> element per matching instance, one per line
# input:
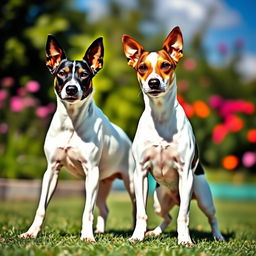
<point x="219" y="190"/>
<point x="233" y="191"/>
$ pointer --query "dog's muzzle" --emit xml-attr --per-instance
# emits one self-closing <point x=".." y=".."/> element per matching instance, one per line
<point x="71" y="90"/>
<point x="154" y="85"/>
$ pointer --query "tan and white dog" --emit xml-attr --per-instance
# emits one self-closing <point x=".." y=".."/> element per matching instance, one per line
<point x="164" y="144"/>
<point x="82" y="139"/>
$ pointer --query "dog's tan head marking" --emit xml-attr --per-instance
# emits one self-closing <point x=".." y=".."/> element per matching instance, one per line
<point x="155" y="70"/>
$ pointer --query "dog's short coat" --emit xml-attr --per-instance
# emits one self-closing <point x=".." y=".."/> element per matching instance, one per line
<point x="82" y="139"/>
<point x="164" y="144"/>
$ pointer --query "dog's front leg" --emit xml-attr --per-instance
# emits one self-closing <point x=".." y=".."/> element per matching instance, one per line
<point x="141" y="191"/>
<point x="91" y="188"/>
<point x="48" y="186"/>
<point x="185" y="191"/>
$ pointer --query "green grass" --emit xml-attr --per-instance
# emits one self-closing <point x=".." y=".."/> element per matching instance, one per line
<point x="60" y="235"/>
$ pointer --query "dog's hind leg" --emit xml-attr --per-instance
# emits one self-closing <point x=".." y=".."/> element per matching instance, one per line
<point x="127" y="175"/>
<point x="204" y="199"/>
<point x="162" y="205"/>
<point x="48" y="186"/>
<point x="104" y="189"/>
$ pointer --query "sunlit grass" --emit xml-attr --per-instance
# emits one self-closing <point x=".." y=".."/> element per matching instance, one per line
<point x="60" y="235"/>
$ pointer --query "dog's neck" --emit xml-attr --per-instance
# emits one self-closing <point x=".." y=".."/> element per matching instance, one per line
<point x="76" y="112"/>
<point x="162" y="108"/>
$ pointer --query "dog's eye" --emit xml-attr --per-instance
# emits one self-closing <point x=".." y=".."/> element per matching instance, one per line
<point x="166" y="66"/>
<point x="61" y="73"/>
<point x="84" y="74"/>
<point x="143" y="68"/>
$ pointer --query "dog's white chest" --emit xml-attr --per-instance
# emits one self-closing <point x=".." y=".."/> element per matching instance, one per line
<point x="164" y="164"/>
<point x="65" y="150"/>
<point x="71" y="158"/>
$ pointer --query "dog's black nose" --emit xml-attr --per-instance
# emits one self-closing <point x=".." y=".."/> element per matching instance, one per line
<point x="154" y="83"/>
<point x="71" y="90"/>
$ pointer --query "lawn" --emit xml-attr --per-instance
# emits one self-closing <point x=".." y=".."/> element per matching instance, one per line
<point x="60" y="235"/>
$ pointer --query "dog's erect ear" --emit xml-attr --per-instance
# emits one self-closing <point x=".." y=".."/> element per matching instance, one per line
<point x="54" y="53"/>
<point x="94" y="55"/>
<point x="132" y="50"/>
<point x="173" y="44"/>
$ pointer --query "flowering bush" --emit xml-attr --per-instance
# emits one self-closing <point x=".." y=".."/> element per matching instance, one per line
<point x="223" y="121"/>
<point x="23" y="126"/>
<point x="227" y="137"/>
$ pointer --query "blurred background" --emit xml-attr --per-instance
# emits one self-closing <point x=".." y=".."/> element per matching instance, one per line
<point x="216" y="78"/>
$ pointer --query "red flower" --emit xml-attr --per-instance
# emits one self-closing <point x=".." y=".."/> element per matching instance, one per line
<point x="219" y="133"/>
<point x="251" y="135"/>
<point x="188" y="109"/>
<point x="234" y="123"/>
<point x="180" y="99"/>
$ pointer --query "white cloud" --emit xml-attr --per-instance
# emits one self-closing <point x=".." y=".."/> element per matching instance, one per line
<point x="96" y="9"/>
<point x="247" y="67"/>
<point x="188" y="14"/>
<point x="191" y="14"/>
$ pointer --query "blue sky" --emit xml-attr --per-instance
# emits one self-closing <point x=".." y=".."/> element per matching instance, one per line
<point x="233" y="20"/>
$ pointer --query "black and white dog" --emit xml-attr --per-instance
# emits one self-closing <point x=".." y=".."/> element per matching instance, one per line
<point x="82" y="139"/>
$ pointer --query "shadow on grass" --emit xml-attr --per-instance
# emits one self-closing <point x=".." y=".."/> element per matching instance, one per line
<point x="120" y="233"/>
<point x="195" y="234"/>
<point x="109" y="232"/>
<point x="202" y="235"/>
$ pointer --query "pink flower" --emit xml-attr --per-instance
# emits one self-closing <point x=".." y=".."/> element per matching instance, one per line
<point x="33" y="86"/>
<point x="189" y="64"/>
<point x="3" y="95"/>
<point x="216" y="101"/>
<point x="249" y="159"/>
<point x="51" y="107"/>
<point x="21" y="91"/>
<point x="183" y="85"/>
<point x="7" y="81"/>
<point x="42" y="111"/>
<point x="236" y="106"/>
<point x="16" y="104"/>
<point x="3" y="128"/>
<point x="29" y="101"/>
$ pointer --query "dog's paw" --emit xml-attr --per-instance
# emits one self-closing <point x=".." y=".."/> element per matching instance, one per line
<point x="89" y="239"/>
<point x="185" y="241"/>
<point x="136" y="238"/>
<point x="28" y="235"/>
<point x="219" y="237"/>
<point x="156" y="232"/>
<point x="99" y="231"/>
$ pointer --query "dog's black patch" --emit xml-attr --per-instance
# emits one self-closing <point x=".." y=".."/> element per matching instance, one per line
<point x="199" y="169"/>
